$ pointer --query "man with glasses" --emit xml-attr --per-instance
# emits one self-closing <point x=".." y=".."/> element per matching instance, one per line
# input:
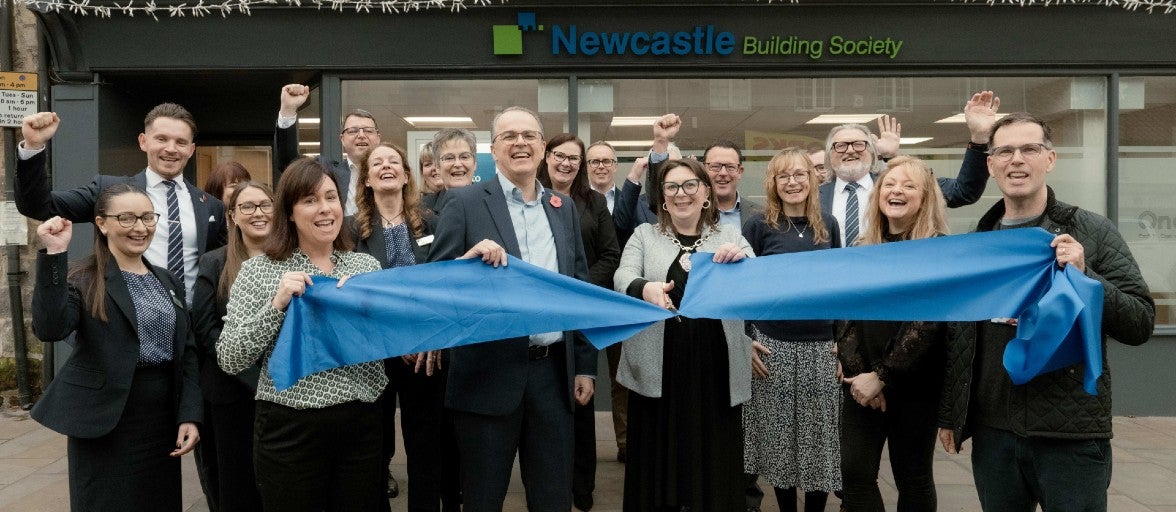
<point x="852" y="154"/>
<point x="455" y="151"/>
<point x="358" y="134"/>
<point x="192" y="223"/>
<point x="1045" y="442"/>
<point x="516" y="395"/>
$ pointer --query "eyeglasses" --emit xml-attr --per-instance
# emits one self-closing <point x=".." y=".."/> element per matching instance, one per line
<point x="450" y="158"/>
<point x="716" y="168"/>
<point x="527" y="135"/>
<point x="602" y="162"/>
<point x="367" y="130"/>
<point x="248" y="208"/>
<point x="1029" y="151"/>
<point x="843" y="147"/>
<point x="800" y="177"/>
<point x="689" y="187"/>
<point x="127" y="220"/>
<point x="560" y="158"/>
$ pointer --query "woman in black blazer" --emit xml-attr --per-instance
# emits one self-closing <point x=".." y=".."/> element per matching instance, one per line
<point x="128" y="397"/>
<point x="392" y="225"/>
<point x="564" y="169"/>
<point x="230" y="397"/>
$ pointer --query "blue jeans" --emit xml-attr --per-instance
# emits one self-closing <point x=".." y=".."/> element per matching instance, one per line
<point x="1016" y="473"/>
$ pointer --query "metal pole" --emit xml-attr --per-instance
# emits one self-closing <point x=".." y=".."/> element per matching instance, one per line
<point x="15" y="274"/>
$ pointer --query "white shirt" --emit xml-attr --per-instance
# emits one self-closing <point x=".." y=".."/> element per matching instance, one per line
<point x="157" y="251"/>
<point x="840" y="196"/>
<point x="610" y="197"/>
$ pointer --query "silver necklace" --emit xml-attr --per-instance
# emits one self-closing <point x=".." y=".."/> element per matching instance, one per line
<point x="684" y="259"/>
<point x="799" y="232"/>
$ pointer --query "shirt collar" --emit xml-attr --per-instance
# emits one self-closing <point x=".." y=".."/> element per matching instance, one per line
<point x="866" y="182"/>
<point x="154" y="180"/>
<point x="515" y="194"/>
<point x="735" y="208"/>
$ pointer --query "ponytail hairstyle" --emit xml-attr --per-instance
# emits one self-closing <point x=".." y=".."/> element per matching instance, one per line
<point x="91" y="274"/>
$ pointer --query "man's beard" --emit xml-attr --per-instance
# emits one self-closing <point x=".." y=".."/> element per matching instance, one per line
<point x="852" y="172"/>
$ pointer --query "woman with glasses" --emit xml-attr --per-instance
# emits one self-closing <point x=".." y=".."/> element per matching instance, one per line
<point x="790" y="425"/>
<point x="687" y="376"/>
<point x="316" y="443"/>
<point x="229" y="398"/>
<point x="563" y="169"/>
<point x="893" y="370"/>
<point x="128" y="398"/>
<point x="455" y="151"/>
<point x="392" y="226"/>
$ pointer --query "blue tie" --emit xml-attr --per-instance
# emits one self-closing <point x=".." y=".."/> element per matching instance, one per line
<point x="175" y="233"/>
<point x="851" y="214"/>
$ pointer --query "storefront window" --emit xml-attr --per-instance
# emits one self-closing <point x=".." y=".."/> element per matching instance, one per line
<point x="410" y="112"/>
<point x="1147" y="156"/>
<point x="766" y="115"/>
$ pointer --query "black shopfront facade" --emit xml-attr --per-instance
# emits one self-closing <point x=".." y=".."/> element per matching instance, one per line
<point x="764" y="75"/>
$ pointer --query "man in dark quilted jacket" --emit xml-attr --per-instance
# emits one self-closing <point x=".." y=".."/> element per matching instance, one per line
<point x="1046" y="442"/>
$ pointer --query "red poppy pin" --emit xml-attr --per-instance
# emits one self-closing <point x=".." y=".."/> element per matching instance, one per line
<point x="555" y="201"/>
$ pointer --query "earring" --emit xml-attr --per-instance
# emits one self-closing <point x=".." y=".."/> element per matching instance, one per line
<point x="664" y="207"/>
<point x="706" y="204"/>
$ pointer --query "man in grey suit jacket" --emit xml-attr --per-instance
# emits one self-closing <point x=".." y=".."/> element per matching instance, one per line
<point x="518" y="394"/>
<point x="168" y="139"/>
<point x="359" y="133"/>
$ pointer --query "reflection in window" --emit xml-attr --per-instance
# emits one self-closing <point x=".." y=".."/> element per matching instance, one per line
<point x="1147" y="156"/>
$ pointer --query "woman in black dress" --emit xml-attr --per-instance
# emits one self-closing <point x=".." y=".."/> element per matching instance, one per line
<point x="687" y="376"/>
<point x="128" y="397"/>
<point x="893" y="370"/>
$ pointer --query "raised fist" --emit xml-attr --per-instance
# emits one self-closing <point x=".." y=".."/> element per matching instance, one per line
<point x="55" y="233"/>
<point x="38" y="128"/>
<point x="293" y="97"/>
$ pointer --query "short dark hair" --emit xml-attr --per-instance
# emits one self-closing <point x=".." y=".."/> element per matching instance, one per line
<point x="224" y="174"/>
<point x="725" y="144"/>
<point x="359" y="112"/>
<point x="300" y="179"/>
<point x="1023" y="117"/>
<point x="171" y="111"/>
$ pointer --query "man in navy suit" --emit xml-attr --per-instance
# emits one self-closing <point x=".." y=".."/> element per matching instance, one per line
<point x="359" y="134"/>
<point x="168" y="139"/>
<point x="518" y="394"/>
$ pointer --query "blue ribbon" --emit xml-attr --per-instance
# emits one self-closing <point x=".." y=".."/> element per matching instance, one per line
<point x="966" y="277"/>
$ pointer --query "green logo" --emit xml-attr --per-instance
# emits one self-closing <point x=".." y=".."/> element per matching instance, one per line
<point x="508" y="39"/>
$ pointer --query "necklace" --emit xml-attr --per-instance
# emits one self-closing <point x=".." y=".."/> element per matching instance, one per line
<point x="390" y="222"/>
<point x="799" y="232"/>
<point x="684" y="259"/>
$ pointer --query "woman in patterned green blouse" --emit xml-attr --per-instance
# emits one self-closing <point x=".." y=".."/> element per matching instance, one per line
<point x="318" y="441"/>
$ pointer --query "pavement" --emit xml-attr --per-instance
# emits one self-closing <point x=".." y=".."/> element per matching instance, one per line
<point x="34" y="472"/>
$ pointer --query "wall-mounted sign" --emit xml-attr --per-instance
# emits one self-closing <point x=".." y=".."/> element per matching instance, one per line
<point x="18" y="97"/>
<point x="699" y="40"/>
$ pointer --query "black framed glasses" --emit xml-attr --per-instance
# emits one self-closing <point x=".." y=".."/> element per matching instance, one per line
<point x="560" y="157"/>
<point x="128" y="220"/>
<point x="715" y="168"/>
<point x="844" y="147"/>
<point x="690" y="187"/>
<point x="248" y="208"/>
<point x="602" y="162"/>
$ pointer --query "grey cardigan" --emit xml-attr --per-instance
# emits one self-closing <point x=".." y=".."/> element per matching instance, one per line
<point x="648" y="255"/>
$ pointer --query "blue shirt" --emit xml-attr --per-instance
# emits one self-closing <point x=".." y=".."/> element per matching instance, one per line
<point x="536" y="243"/>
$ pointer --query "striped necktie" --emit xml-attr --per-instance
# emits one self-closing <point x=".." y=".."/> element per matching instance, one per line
<point x="175" y="233"/>
<point x="851" y="214"/>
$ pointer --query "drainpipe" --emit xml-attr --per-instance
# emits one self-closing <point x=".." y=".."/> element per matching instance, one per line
<point x="15" y="274"/>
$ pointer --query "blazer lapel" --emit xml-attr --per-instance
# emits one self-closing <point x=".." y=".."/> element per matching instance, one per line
<point x="203" y="216"/>
<point x="559" y="230"/>
<point x="377" y="246"/>
<point x="116" y="288"/>
<point x="500" y="215"/>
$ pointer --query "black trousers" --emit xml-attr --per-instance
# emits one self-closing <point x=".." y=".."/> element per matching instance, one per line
<point x="427" y="427"/>
<point x="232" y="424"/>
<point x="909" y="428"/>
<point x="584" y="460"/>
<point x="319" y="459"/>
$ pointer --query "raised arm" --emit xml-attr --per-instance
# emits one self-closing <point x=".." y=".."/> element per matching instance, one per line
<point x="968" y="186"/>
<point x="285" y="146"/>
